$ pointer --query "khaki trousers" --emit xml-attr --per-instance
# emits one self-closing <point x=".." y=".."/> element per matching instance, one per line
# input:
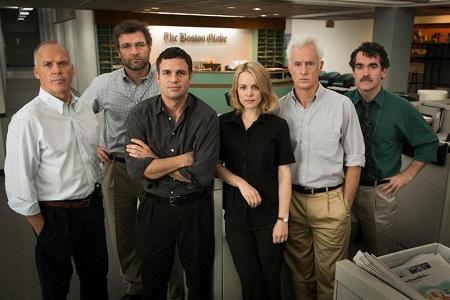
<point x="319" y="232"/>
<point x="374" y="214"/>
<point x="121" y="195"/>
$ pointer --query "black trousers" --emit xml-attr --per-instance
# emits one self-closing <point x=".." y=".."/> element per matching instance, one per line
<point x="257" y="260"/>
<point x="77" y="233"/>
<point x="158" y="227"/>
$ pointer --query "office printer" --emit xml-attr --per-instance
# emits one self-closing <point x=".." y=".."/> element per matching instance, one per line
<point x="439" y="112"/>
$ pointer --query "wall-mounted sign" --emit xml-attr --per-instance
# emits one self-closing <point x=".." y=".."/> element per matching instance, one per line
<point x="194" y="38"/>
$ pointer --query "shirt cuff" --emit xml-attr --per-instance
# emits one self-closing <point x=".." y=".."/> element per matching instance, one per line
<point x="185" y="173"/>
<point x="354" y="160"/>
<point x="24" y="207"/>
<point x="136" y="166"/>
<point x="426" y="153"/>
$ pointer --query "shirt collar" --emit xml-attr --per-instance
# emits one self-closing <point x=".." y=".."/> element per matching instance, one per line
<point x="159" y="108"/>
<point x="55" y="103"/>
<point x="379" y="98"/>
<point x="236" y="118"/>
<point x="127" y="79"/>
<point x="318" y="95"/>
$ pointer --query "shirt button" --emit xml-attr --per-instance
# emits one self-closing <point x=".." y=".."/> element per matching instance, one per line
<point x="244" y="166"/>
<point x="173" y="133"/>
<point x="171" y="192"/>
<point x="170" y="118"/>
<point x="172" y="150"/>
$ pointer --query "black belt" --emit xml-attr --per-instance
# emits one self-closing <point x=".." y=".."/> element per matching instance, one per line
<point x="118" y="158"/>
<point x="174" y="200"/>
<point x="311" y="191"/>
<point x="373" y="182"/>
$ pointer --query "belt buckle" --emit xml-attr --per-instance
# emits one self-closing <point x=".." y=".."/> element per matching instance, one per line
<point x="85" y="202"/>
<point x="173" y="200"/>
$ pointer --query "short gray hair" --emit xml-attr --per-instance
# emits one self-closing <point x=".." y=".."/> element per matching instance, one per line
<point x="302" y="41"/>
<point x="45" y="43"/>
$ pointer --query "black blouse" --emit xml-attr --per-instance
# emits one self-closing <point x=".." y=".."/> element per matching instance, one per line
<point x="254" y="154"/>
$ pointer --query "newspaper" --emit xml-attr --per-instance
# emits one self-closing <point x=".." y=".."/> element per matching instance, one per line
<point x="429" y="274"/>
<point x="423" y="276"/>
<point x="374" y="266"/>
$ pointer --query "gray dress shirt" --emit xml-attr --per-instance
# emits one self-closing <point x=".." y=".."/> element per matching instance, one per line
<point x="196" y="130"/>
<point x="115" y="94"/>
<point x="325" y="137"/>
<point x="50" y="153"/>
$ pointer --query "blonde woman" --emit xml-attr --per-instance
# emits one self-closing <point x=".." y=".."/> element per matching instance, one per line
<point x="255" y="166"/>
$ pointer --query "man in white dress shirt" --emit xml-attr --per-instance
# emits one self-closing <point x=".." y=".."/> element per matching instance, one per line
<point x="51" y="175"/>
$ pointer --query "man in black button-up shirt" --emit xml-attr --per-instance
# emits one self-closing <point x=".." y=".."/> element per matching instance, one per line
<point x="173" y="145"/>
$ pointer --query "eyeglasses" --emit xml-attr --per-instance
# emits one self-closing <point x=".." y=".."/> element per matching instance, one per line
<point x="128" y="46"/>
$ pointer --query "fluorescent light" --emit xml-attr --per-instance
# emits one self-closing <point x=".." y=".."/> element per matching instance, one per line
<point x="20" y="19"/>
<point x="263" y="15"/>
<point x="231" y="7"/>
<point x="198" y="15"/>
<point x="257" y="8"/>
<point x="24" y="13"/>
<point x="26" y="8"/>
<point x="155" y="8"/>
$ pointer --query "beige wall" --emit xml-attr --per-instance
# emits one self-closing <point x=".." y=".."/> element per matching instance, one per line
<point x="337" y="42"/>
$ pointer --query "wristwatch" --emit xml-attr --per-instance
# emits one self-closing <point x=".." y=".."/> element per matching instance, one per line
<point x="283" y="219"/>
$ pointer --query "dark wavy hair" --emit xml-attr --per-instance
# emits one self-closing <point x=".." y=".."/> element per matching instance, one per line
<point x="371" y="49"/>
<point x="174" y="52"/>
<point x="131" y="26"/>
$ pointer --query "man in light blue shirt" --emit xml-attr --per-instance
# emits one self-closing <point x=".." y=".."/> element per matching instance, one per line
<point x="51" y="175"/>
<point x="329" y="153"/>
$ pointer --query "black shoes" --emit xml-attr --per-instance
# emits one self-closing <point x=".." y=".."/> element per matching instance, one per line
<point x="131" y="297"/>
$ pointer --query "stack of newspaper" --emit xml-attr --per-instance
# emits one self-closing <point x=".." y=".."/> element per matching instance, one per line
<point x="423" y="276"/>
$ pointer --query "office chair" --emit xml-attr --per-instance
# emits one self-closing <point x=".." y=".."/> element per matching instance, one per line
<point x="328" y="78"/>
<point x="343" y="80"/>
<point x="227" y="98"/>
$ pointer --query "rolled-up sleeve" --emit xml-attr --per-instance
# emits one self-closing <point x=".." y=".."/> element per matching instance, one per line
<point x="136" y="130"/>
<point x="421" y="136"/>
<point x="21" y="164"/>
<point x="91" y="94"/>
<point x="352" y="138"/>
<point x="206" y="152"/>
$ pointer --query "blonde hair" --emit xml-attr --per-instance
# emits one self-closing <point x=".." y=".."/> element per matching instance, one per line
<point x="269" y="100"/>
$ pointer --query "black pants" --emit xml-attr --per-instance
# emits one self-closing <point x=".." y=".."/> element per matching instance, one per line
<point x="257" y="260"/>
<point x="77" y="233"/>
<point x="158" y="227"/>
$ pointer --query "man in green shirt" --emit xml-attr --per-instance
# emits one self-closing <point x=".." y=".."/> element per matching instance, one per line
<point x="388" y="123"/>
